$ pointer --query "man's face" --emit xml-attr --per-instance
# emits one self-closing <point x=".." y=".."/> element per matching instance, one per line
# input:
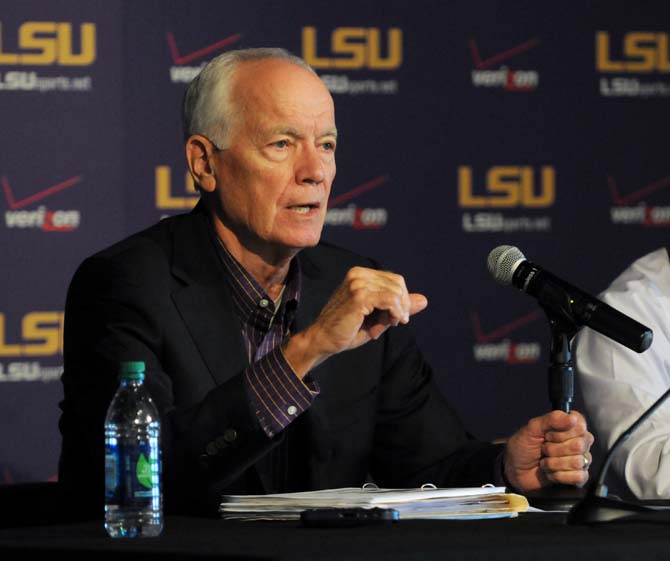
<point x="274" y="177"/>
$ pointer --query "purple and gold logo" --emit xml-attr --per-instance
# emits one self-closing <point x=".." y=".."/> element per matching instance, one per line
<point x="37" y="335"/>
<point x="47" y="44"/>
<point x="351" y="52"/>
<point x="625" y="61"/>
<point x="494" y="206"/>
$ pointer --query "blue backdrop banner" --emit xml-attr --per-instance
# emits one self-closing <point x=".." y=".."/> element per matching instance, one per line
<point x="463" y="126"/>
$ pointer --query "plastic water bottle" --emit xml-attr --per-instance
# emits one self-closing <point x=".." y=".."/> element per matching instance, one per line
<point x="133" y="489"/>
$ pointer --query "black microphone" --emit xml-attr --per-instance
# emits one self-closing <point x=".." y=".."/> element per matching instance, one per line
<point x="566" y="302"/>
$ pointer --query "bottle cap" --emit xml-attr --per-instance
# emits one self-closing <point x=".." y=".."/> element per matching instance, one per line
<point x="132" y="369"/>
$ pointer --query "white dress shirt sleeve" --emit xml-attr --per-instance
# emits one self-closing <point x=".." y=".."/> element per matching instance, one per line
<point x="617" y="385"/>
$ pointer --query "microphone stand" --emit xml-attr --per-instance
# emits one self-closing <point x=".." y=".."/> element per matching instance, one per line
<point x="563" y="324"/>
<point x="561" y="365"/>
<point x="590" y="505"/>
<point x="561" y="393"/>
<point x="568" y="309"/>
<point x="596" y="506"/>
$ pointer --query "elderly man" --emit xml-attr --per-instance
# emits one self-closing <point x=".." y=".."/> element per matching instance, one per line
<point x="277" y="362"/>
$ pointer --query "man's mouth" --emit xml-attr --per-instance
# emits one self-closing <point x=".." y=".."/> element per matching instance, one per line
<point x="304" y="209"/>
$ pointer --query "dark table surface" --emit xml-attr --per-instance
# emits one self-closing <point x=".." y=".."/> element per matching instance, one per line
<point x="534" y="536"/>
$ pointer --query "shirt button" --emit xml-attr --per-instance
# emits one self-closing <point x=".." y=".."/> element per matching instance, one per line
<point x="230" y="435"/>
<point x="292" y="410"/>
<point x="264" y="303"/>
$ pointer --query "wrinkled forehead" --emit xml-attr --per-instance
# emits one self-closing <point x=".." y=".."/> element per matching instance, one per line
<point x="276" y="86"/>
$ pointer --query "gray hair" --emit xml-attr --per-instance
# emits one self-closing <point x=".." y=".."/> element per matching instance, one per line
<point x="207" y="107"/>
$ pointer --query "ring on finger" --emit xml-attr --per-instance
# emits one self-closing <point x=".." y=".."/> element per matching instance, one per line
<point x="587" y="461"/>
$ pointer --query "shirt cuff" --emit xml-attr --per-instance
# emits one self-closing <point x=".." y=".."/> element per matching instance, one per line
<point x="277" y="395"/>
<point x="499" y="473"/>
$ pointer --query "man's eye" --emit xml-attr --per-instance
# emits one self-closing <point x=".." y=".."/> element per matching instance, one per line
<point x="281" y="144"/>
<point x="330" y="146"/>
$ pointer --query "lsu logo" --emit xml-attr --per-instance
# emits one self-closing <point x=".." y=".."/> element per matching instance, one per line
<point x="354" y="48"/>
<point x="43" y="43"/>
<point x="642" y="52"/>
<point x="165" y="199"/>
<point x="41" y="335"/>
<point x="508" y="187"/>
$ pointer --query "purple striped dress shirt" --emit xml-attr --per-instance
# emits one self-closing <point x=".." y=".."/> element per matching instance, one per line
<point x="277" y="395"/>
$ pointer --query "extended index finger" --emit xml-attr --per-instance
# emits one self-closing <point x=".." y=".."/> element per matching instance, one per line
<point x="417" y="303"/>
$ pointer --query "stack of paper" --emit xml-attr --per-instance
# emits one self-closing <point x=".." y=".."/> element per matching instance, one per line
<point x="426" y="502"/>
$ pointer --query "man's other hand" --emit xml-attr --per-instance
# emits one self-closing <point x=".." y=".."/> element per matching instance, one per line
<point x="365" y="305"/>
<point x="550" y="449"/>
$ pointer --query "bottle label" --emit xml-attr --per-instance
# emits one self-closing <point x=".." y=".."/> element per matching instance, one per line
<point x="111" y="476"/>
<point x="144" y="472"/>
<point x="132" y="473"/>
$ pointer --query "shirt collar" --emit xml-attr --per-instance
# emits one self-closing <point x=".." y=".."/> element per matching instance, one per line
<point x="248" y="296"/>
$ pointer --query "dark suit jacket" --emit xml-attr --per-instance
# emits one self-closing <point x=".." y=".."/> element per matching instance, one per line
<point x="161" y="296"/>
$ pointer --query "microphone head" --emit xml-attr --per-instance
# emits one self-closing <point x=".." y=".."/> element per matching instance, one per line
<point x="503" y="261"/>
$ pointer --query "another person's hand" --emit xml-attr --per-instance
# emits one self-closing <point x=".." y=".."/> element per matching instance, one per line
<point x="365" y="305"/>
<point x="550" y="449"/>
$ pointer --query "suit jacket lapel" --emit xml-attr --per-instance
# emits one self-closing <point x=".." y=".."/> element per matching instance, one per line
<point x="315" y="291"/>
<point x="206" y="308"/>
<point x="204" y="301"/>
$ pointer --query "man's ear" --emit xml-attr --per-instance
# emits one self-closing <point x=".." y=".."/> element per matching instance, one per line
<point x="199" y="151"/>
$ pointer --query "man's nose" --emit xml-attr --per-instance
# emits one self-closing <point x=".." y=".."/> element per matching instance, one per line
<point x="310" y="167"/>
